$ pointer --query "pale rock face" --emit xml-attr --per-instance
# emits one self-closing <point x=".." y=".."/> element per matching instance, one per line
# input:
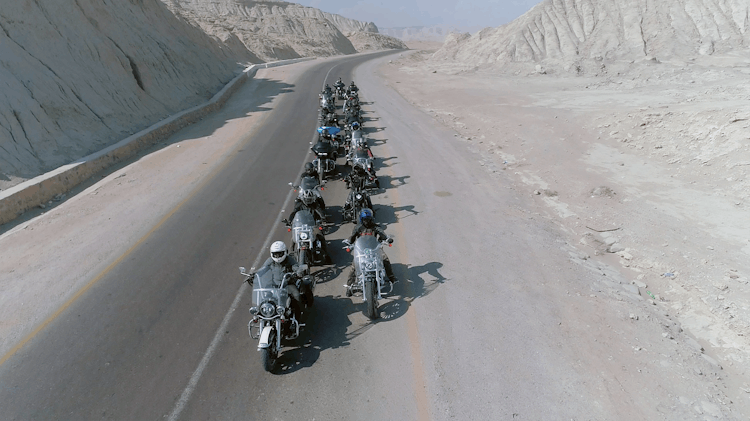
<point x="78" y="82"/>
<point x="567" y="31"/>
<point x="274" y="30"/>
<point x="370" y="41"/>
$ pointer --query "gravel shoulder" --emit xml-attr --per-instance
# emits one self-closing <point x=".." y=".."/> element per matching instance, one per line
<point x="641" y="178"/>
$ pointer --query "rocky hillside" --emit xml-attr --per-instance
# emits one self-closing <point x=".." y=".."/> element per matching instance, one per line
<point x="274" y="30"/>
<point x="80" y="75"/>
<point x="370" y="41"/>
<point x="566" y="33"/>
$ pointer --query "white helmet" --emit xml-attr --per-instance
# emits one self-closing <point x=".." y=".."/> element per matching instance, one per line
<point x="278" y="251"/>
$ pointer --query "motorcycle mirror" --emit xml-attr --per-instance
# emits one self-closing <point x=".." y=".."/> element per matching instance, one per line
<point x="242" y="269"/>
<point x="291" y="184"/>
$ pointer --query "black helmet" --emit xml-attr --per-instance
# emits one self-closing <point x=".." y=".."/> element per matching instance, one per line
<point x="309" y="167"/>
<point x="352" y="83"/>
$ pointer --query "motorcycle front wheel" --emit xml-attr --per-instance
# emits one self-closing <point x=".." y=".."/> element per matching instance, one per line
<point x="268" y="356"/>
<point x="371" y="295"/>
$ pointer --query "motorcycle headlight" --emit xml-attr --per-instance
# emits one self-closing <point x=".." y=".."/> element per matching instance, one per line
<point x="359" y="197"/>
<point x="266" y="309"/>
<point x="253" y="310"/>
<point x="303" y="236"/>
<point x="280" y="310"/>
<point x="370" y="265"/>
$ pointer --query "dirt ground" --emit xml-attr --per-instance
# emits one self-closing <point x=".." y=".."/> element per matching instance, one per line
<point x="644" y="170"/>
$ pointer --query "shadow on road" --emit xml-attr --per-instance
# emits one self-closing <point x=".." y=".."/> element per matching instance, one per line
<point x="386" y="214"/>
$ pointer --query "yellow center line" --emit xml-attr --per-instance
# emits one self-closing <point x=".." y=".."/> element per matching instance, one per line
<point x="412" y="329"/>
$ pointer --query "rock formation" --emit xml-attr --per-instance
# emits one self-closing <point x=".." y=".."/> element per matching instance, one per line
<point x="370" y="41"/>
<point x="274" y="30"/>
<point x="79" y="75"/>
<point x="570" y="31"/>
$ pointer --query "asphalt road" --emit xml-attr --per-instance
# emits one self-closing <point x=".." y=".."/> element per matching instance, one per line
<point x="127" y="348"/>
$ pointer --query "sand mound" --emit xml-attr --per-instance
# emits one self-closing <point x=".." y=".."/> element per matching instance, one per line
<point x="87" y="75"/>
<point x="566" y="33"/>
<point x="369" y="41"/>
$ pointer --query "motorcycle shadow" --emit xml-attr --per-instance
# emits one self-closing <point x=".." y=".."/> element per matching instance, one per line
<point x="414" y="282"/>
<point x="382" y="162"/>
<point x="386" y="214"/>
<point x="413" y="285"/>
<point x="328" y="273"/>
<point x="326" y="327"/>
<point x="388" y="182"/>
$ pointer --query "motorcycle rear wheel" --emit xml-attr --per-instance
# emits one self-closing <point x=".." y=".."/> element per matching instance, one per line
<point x="371" y="294"/>
<point x="268" y="356"/>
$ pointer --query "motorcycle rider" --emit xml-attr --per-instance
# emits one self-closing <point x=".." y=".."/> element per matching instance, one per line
<point x="339" y="84"/>
<point x="367" y="226"/>
<point x="281" y="263"/>
<point x="308" y="202"/>
<point x="311" y="172"/>
<point x="352" y="88"/>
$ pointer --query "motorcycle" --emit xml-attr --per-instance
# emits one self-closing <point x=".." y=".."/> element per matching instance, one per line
<point x="359" y="155"/>
<point x="328" y="103"/>
<point x="369" y="272"/>
<point x="273" y="316"/>
<point x="308" y="241"/>
<point x="355" y="202"/>
<point x="341" y="92"/>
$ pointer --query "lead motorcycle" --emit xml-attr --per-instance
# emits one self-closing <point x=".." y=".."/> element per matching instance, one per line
<point x="273" y="316"/>
<point x="369" y="272"/>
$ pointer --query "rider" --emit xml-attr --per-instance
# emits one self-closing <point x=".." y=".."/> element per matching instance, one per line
<point x="367" y="226"/>
<point x="281" y="263"/>
<point x="352" y="88"/>
<point x="339" y="83"/>
<point x="310" y="171"/>
<point x="327" y="89"/>
<point x="311" y="203"/>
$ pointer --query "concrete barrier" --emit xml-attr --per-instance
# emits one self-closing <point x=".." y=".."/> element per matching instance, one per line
<point x="32" y="193"/>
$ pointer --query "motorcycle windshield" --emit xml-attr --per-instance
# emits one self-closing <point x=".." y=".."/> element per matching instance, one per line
<point x="308" y="183"/>
<point x="303" y="217"/>
<point x="357" y="134"/>
<point x="265" y="289"/>
<point x="366" y="254"/>
<point x="322" y="147"/>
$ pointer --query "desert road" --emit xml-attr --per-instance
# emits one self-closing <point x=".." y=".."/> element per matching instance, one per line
<point x="477" y="327"/>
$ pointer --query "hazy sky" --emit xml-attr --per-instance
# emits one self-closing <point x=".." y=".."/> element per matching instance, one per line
<point x="395" y="13"/>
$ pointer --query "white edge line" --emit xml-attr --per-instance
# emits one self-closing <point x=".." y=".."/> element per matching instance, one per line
<point x="193" y="382"/>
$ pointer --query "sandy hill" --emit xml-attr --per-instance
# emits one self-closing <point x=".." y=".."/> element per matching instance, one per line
<point x="571" y="33"/>
<point x="274" y="30"/>
<point x="79" y="75"/>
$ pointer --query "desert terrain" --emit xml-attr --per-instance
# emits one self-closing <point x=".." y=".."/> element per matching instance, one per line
<point x="644" y="174"/>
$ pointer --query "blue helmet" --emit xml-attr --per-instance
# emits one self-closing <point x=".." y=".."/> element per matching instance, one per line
<point x="365" y="217"/>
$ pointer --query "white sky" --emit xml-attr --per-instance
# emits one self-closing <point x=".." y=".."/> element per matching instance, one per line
<point x="463" y="14"/>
